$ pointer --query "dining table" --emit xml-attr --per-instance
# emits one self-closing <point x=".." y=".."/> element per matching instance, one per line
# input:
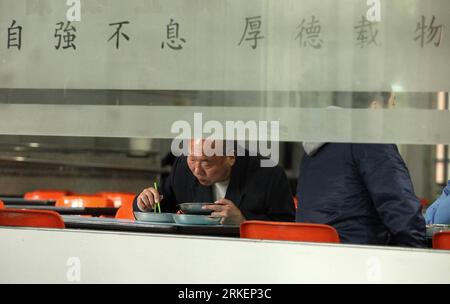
<point x="111" y="224"/>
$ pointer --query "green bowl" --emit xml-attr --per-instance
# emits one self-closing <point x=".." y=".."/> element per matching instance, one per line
<point x="190" y="219"/>
<point x="154" y="217"/>
<point x="195" y="208"/>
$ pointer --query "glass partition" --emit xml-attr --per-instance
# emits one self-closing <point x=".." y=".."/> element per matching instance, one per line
<point x="129" y="71"/>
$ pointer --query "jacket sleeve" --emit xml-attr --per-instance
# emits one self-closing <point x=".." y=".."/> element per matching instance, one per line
<point x="388" y="182"/>
<point x="168" y="203"/>
<point x="279" y="199"/>
<point x="431" y="212"/>
<point x="442" y="215"/>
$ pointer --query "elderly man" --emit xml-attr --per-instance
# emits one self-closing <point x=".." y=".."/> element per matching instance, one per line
<point x="238" y="185"/>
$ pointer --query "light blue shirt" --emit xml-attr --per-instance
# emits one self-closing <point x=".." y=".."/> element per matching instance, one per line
<point x="439" y="211"/>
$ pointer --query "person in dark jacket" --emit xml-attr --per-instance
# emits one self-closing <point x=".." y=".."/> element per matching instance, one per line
<point x="238" y="185"/>
<point x="362" y="190"/>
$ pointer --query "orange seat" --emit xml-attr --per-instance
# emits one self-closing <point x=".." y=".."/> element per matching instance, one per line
<point x="44" y="195"/>
<point x="441" y="240"/>
<point x="125" y="213"/>
<point x="126" y="210"/>
<point x="89" y="201"/>
<point x="287" y="231"/>
<point x="30" y="218"/>
<point x="424" y="202"/>
<point x="119" y="198"/>
<point x="2" y="205"/>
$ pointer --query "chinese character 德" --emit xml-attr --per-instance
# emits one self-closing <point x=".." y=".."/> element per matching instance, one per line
<point x="309" y="33"/>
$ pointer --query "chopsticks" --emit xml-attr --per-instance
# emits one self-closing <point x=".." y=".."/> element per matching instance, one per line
<point x="157" y="207"/>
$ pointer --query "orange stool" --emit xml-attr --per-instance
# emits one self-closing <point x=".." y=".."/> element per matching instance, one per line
<point x="125" y="213"/>
<point x="31" y="218"/>
<point x="441" y="240"/>
<point x="287" y="231"/>
<point x="44" y="195"/>
<point x="119" y="198"/>
<point x="92" y="201"/>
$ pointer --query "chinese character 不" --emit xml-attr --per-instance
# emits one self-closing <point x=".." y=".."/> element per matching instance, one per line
<point x="309" y="33"/>
<point x="68" y="36"/>
<point x="14" y="35"/>
<point x="367" y="33"/>
<point x="252" y="31"/>
<point x="117" y="33"/>
<point x="173" y="40"/>
<point x="434" y="32"/>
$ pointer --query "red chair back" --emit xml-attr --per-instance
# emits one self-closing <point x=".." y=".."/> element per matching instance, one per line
<point x="92" y="201"/>
<point x="30" y="218"/>
<point x="125" y="213"/>
<point x="441" y="240"/>
<point x="119" y="198"/>
<point x="424" y="202"/>
<point x="287" y="231"/>
<point x="2" y="205"/>
<point x="44" y="195"/>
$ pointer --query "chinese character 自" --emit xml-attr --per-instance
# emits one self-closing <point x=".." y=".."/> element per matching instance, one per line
<point x="14" y="36"/>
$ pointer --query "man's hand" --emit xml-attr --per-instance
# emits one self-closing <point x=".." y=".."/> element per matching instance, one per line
<point x="147" y="199"/>
<point x="227" y="210"/>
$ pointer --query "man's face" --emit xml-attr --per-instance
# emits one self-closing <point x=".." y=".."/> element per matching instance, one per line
<point x="210" y="169"/>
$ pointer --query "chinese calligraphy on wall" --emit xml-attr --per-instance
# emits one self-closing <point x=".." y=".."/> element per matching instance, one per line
<point x="309" y="33"/>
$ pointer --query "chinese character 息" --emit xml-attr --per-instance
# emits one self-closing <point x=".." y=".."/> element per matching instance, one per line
<point x="173" y="39"/>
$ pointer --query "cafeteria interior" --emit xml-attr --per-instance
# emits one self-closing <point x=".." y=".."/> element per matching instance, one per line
<point x="329" y="122"/>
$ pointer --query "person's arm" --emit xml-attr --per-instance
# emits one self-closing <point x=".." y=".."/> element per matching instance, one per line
<point x="439" y="211"/>
<point x="279" y="199"/>
<point x="387" y="179"/>
<point x="431" y="212"/>
<point x="168" y="202"/>
<point x="442" y="215"/>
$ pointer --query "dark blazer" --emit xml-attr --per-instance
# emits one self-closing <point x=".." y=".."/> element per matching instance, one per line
<point x="364" y="191"/>
<point x="261" y="193"/>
